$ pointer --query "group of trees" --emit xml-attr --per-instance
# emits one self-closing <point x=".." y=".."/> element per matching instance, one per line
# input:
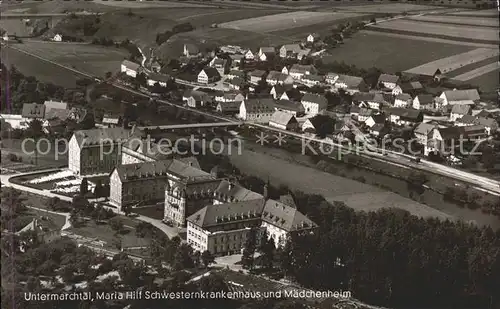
<point x="82" y="210"/>
<point x="162" y="37"/>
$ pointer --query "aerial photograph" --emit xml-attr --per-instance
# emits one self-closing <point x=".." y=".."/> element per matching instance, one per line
<point x="250" y="154"/>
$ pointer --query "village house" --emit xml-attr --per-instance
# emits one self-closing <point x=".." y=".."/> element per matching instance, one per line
<point x="342" y="131"/>
<point x="258" y="110"/>
<point x="314" y="103"/>
<point x="235" y="73"/>
<point x="379" y="130"/>
<point x="235" y="60"/>
<point x="198" y="99"/>
<point x="96" y="151"/>
<point x="278" y="78"/>
<point x="222" y="65"/>
<point x="11" y="122"/>
<point x="424" y="102"/>
<point x="458" y="111"/>
<point x="256" y="76"/>
<point x="466" y="120"/>
<point x="446" y="141"/>
<point x="228" y="108"/>
<point x="223" y="228"/>
<point x="490" y="124"/>
<point x="160" y="79"/>
<point x="233" y="96"/>
<point x="388" y="81"/>
<point x="191" y="50"/>
<point x="313" y="37"/>
<point x="412" y="88"/>
<point x="291" y="94"/>
<point x="350" y="84"/>
<point x="405" y="116"/>
<point x="292" y="107"/>
<point x="266" y="53"/>
<point x="249" y="55"/>
<point x="312" y="80"/>
<point x="52" y="105"/>
<point x="237" y="83"/>
<point x="33" y="111"/>
<point x="57" y="38"/>
<point x="373" y="100"/>
<point x="130" y="68"/>
<point x="284" y="121"/>
<point x="285" y="70"/>
<point x="422" y="132"/>
<point x="403" y="100"/>
<point x="295" y="51"/>
<point x="155" y="66"/>
<point x="364" y="114"/>
<point x="460" y="97"/>
<point x="374" y="119"/>
<point x="208" y="76"/>
<point x="297" y="71"/>
<point x="354" y="111"/>
<point x="318" y="124"/>
<point x="397" y="90"/>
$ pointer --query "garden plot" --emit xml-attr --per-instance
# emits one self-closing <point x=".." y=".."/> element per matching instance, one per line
<point x="451" y="63"/>
<point x="285" y="21"/>
<point x="473" y="21"/>
<point x="440" y="30"/>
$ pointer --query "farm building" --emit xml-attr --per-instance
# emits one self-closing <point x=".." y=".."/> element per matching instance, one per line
<point x="283" y="120"/>
<point x="379" y="130"/>
<point x="208" y="76"/>
<point x="233" y="96"/>
<point x="228" y="108"/>
<point x="405" y="116"/>
<point x="454" y="97"/>
<point x="319" y="124"/>
<point x="130" y="68"/>
<point x="237" y="83"/>
<point x="155" y="78"/>
<point x="292" y="107"/>
<point x="222" y="65"/>
<point x="266" y="53"/>
<point x="314" y="103"/>
<point x="388" y="81"/>
<point x="364" y="114"/>
<point x="256" y="76"/>
<point x="458" y="111"/>
<point x="422" y="132"/>
<point x="403" y="100"/>
<point x="279" y="78"/>
<point x="249" y="55"/>
<point x="197" y="99"/>
<point x="371" y="100"/>
<point x="235" y="73"/>
<point x="312" y="80"/>
<point x="297" y="71"/>
<point x="350" y="84"/>
<point x="424" y="101"/>
<point x="375" y="119"/>
<point x="295" y="51"/>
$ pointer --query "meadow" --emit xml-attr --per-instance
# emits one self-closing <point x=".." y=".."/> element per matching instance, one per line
<point x="487" y="82"/>
<point x="472" y="21"/>
<point x="391" y="54"/>
<point x="467" y="33"/>
<point x="482" y="13"/>
<point x="455" y="62"/>
<point x="286" y="21"/>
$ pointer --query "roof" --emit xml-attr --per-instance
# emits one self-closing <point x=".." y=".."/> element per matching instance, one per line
<point x="49" y="105"/>
<point x="303" y="69"/>
<point x="294" y="48"/>
<point x="365" y="112"/>
<point x="368" y="97"/>
<point x="314" y="35"/>
<point x="467" y="119"/>
<point x="152" y="150"/>
<point x="319" y="121"/>
<point x="484" y="113"/>
<point x="315" y="98"/>
<point x="229" y="106"/>
<point x="350" y="81"/>
<point x="228" y="189"/>
<point x="159" y="77"/>
<point x="388" y="78"/>
<point x="313" y="77"/>
<point x="111" y="119"/>
<point x="257" y="73"/>
<point x="354" y="109"/>
<point x="230" y="96"/>
<point x="425" y="99"/>
<point x="55" y="113"/>
<point x="198" y="95"/>
<point x="378" y="127"/>
<point x="424" y="128"/>
<point x="290" y="106"/>
<point x="237" y="81"/>
<point x="411" y="86"/>
<point x="285" y="217"/>
<point x="282" y="118"/>
<point x="97" y="136"/>
<point x="211" y="72"/>
<point x="406" y="113"/>
<point x="487" y="122"/>
<point x="237" y="73"/>
<point x="131" y="65"/>
<point x="460" y="109"/>
<point x="129" y="172"/>
<point x="403" y="97"/>
<point x="236" y="56"/>
<point x="273" y="212"/>
<point x="276" y="75"/>
<point x="33" y="110"/>
<point x="287" y="199"/>
<point x="258" y="105"/>
<point x="268" y="49"/>
<point x="462" y="95"/>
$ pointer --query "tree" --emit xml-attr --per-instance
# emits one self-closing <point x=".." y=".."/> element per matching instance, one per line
<point x="84" y="186"/>
<point x="213" y="283"/>
<point x="207" y="258"/>
<point x="127" y="209"/>
<point x="247" y="259"/>
<point x="35" y="131"/>
<point x="116" y="224"/>
<point x="266" y="248"/>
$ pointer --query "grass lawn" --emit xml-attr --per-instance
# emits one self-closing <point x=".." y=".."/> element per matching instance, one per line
<point x="391" y="54"/>
<point x="91" y="59"/>
<point x="151" y="212"/>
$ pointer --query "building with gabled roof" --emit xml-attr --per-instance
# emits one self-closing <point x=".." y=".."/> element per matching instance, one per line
<point x="403" y="100"/>
<point x="297" y="71"/>
<point x="130" y="68"/>
<point x="424" y="102"/>
<point x="223" y="228"/>
<point x="278" y="78"/>
<point x="97" y="151"/>
<point x="283" y="120"/>
<point x="257" y="109"/>
<point x="462" y="97"/>
<point x="228" y="107"/>
<point x="351" y="84"/>
<point x="388" y="81"/>
<point x="293" y="107"/>
<point x="458" y="111"/>
<point x="405" y="116"/>
<point x="208" y="76"/>
<point x="314" y="103"/>
<point x="254" y="77"/>
<point x="33" y="111"/>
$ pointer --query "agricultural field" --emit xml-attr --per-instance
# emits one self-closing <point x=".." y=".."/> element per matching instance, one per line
<point x="487" y="82"/>
<point x="91" y="59"/>
<point x="391" y="54"/>
<point x="466" y="33"/>
<point x="491" y="67"/>
<point x="472" y="21"/>
<point x="455" y="62"/>
<point x="145" y="4"/>
<point x="387" y="8"/>
<point x="286" y="21"/>
<point x="482" y="13"/>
